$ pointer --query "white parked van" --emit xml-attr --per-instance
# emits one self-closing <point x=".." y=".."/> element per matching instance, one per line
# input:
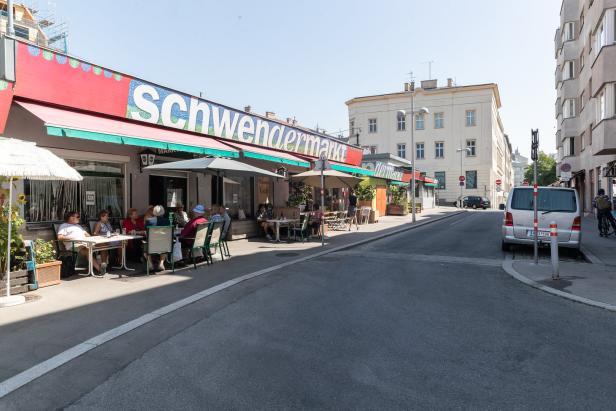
<point x="560" y="205"/>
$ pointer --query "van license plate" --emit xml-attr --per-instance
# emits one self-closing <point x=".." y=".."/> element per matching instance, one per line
<point x="541" y="233"/>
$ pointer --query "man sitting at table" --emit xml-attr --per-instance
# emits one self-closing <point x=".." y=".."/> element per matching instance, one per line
<point x="187" y="236"/>
<point x="266" y="212"/>
<point x="70" y="232"/>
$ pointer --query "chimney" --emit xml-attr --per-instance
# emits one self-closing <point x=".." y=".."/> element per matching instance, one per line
<point x="289" y="120"/>
<point x="449" y="82"/>
<point x="247" y="109"/>
<point x="428" y="84"/>
<point x="270" y="114"/>
<point x="407" y="87"/>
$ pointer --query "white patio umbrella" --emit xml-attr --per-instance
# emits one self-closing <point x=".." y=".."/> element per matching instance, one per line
<point x="23" y="159"/>
<point x="331" y="179"/>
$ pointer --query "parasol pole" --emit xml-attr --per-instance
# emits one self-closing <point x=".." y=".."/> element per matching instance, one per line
<point x="322" y="208"/>
<point x="8" y="243"/>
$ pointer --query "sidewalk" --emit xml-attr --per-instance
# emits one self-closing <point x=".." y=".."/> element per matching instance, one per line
<point x="592" y="282"/>
<point x="61" y="316"/>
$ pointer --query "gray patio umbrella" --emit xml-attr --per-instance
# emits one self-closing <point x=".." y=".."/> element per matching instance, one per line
<point x="331" y="179"/>
<point x="23" y="159"/>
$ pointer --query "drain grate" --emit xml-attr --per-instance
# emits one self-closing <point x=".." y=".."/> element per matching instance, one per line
<point x="288" y="254"/>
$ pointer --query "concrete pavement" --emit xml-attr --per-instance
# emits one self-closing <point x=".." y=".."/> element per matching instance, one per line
<point x="441" y="327"/>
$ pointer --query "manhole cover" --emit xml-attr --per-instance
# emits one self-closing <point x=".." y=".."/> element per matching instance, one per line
<point x="287" y="254"/>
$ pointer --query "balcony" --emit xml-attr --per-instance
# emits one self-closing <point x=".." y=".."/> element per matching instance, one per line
<point x="603" y="68"/>
<point x="604" y="137"/>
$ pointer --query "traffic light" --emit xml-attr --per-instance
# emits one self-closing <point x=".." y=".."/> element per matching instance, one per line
<point x="534" y="145"/>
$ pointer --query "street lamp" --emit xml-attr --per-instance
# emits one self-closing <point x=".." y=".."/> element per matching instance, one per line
<point x="468" y="151"/>
<point x="403" y="113"/>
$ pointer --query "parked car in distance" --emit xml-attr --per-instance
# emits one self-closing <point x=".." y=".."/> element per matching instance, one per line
<point x="475" y="202"/>
<point x="560" y="205"/>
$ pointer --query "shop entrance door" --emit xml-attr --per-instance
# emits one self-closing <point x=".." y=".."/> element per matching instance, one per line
<point x="168" y="191"/>
<point x="381" y="199"/>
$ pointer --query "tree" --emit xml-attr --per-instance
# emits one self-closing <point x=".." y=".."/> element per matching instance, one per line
<point x="546" y="170"/>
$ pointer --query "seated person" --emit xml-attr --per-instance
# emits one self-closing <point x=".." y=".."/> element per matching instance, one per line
<point x="266" y="213"/>
<point x="102" y="227"/>
<point x="216" y="216"/>
<point x="71" y="231"/>
<point x="187" y="236"/>
<point x="317" y="219"/>
<point x="133" y="225"/>
<point x="149" y="217"/>
<point x="179" y="216"/>
<point x="158" y="219"/>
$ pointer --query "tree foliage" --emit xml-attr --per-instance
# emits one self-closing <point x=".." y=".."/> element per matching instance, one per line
<point x="546" y="170"/>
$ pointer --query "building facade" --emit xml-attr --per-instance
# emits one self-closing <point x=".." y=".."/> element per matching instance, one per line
<point x="585" y="80"/>
<point x="460" y="117"/>
<point x="519" y="164"/>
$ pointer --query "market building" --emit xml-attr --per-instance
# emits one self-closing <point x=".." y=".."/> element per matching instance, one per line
<point x="110" y="125"/>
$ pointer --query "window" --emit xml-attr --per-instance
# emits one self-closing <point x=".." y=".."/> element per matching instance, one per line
<point x="440" y="176"/>
<point x="401" y="121"/>
<point x="439" y="120"/>
<point x="402" y="150"/>
<point x="569" y="31"/>
<point x="470" y="118"/>
<point x="22" y="32"/>
<point x="373" y="149"/>
<point x="471" y="179"/>
<point x="352" y="127"/>
<point x="582" y="20"/>
<point x="420" y="150"/>
<point x="569" y="70"/>
<point x="582" y="60"/>
<point x="369" y="149"/>
<point x="439" y="149"/>
<point x="372" y="125"/>
<point x="583" y="139"/>
<point x="471" y="146"/>
<point x="606" y="102"/>
<point x="569" y="108"/>
<point x="419" y="122"/>
<point x="549" y="199"/>
<point x="569" y="147"/>
<point x="583" y="100"/>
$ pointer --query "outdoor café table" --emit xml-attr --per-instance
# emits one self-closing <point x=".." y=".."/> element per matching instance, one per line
<point x="282" y="222"/>
<point x="100" y="242"/>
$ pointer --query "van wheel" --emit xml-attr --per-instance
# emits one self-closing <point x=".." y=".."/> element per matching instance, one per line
<point x="505" y="246"/>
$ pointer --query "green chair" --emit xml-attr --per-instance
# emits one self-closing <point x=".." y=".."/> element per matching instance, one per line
<point x="199" y="243"/>
<point x="303" y="228"/>
<point x="213" y="240"/>
<point x="159" y="241"/>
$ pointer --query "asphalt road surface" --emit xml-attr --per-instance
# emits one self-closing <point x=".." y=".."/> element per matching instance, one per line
<point x="423" y="319"/>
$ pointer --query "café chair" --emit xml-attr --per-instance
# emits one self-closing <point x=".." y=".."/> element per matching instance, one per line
<point x="213" y="240"/>
<point x="199" y="243"/>
<point x="159" y="241"/>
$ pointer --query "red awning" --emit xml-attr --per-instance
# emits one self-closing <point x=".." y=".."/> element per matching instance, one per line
<point x="67" y="123"/>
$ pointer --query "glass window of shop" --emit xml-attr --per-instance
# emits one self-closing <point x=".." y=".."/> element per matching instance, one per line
<point x="239" y="195"/>
<point x="102" y="188"/>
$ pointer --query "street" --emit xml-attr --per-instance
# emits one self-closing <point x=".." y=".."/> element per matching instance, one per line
<point x="422" y="319"/>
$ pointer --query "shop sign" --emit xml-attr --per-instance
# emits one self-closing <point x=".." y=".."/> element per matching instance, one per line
<point x="154" y="104"/>
<point x="384" y="170"/>
<point x="90" y="198"/>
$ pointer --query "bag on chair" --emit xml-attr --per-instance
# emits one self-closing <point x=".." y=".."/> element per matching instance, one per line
<point x="177" y="252"/>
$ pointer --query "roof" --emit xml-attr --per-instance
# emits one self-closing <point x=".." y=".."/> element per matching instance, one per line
<point x="437" y="90"/>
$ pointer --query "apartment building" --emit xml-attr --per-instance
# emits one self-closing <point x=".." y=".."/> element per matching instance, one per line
<point x="460" y="117"/>
<point x="585" y="80"/>
<point x="25" y="24"/>
<point x="519" y="168"/>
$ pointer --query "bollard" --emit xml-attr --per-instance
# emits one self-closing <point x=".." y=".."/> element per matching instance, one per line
<point x="554" y="250"/>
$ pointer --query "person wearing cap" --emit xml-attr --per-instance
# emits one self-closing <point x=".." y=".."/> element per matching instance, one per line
<point x="187" y="235"/>
<point x="158" y="219"/>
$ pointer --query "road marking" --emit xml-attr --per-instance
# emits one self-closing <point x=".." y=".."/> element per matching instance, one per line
<point x="19" y="380"/>
<point x="491" y="262"/>
<point x="458" y="221"/>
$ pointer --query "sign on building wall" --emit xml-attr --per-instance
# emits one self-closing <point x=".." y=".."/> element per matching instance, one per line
<point x="383" y="170"/>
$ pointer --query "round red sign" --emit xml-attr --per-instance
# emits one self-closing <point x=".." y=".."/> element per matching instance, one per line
<point x="461" y="178"/>
<point x="498" y="182"/>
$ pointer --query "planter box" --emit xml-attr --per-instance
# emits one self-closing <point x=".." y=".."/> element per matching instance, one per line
<point x="364" y="203"/>
<point x="19" y="282"/>
<point x="48" y="273"/>
<point x="395" y="209"/>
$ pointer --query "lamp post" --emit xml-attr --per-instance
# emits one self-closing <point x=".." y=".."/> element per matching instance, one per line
<point x="421" y="111"/>
<point x="462" y="150"/>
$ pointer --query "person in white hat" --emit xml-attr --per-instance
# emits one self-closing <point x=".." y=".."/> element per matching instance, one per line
<point x="187" y="235"/>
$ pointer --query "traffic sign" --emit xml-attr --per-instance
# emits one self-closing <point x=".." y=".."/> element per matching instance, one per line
<point x="461" y="178"/>
<point x="498" y="182"/>
<point x="461" y="183"/>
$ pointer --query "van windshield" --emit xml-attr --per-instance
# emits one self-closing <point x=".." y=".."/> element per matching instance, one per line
<point x="549" y="200"/>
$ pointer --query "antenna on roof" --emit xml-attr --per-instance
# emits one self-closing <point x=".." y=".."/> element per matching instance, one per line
<point x="411" y="76"/>
<point x="429" y="63"/>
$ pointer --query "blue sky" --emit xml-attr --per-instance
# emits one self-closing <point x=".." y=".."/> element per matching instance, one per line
<point x="306" y="58"/>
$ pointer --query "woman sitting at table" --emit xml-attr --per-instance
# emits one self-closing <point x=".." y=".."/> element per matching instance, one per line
<point x="187" y="236"/>
<point x="179" y="216"/>
<point x="133" y="225"/>
<point x="103" y="228"/>
<point x="158" y="219"/>
<point x="149" y="216"/>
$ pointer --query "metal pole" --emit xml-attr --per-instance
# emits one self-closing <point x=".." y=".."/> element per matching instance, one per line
<point x="8" y="243"/>
<point x="461" y="182"/>
<point x="536" y="216"/>
<point x="413" y="217"/>
<point x="554" y="250"/>
<point x="10" y="27"/>
<point x="322" y="207"/>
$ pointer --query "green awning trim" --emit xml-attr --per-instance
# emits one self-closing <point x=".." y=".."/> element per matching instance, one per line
<point x="351" y="169"/>
<point x="275" y="159"/>
<point x="134" y="141"/>
<point x="430" y="184"/>
<point x="399" y="183"/>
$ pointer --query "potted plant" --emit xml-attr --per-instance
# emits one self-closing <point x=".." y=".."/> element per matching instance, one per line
<point x="47" y="267"/>
<point x="299" y="195"/>
<point x="399" y="204"/>
<point x="365" y="194"/>
<point x="19" y="276"/>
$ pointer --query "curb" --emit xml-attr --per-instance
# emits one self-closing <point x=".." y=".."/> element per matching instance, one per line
<point x="24" y="377"/>
<point x="508" y="268"/>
